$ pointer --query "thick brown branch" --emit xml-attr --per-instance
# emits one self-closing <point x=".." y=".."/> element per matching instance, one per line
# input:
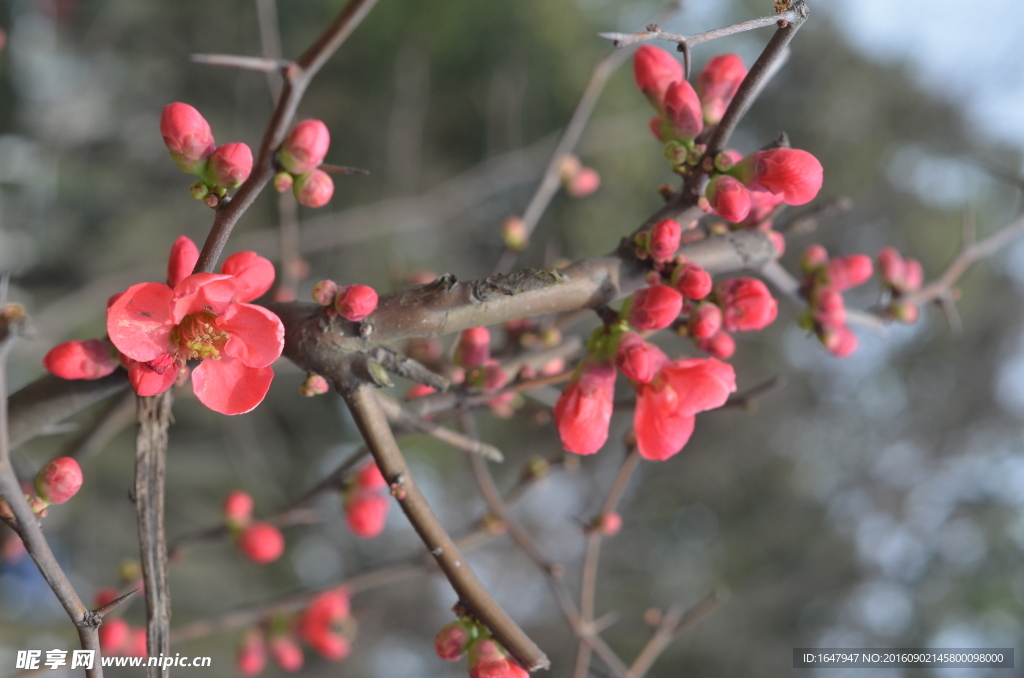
<point x="362" y="402"/>
<point x="154" y="416"/>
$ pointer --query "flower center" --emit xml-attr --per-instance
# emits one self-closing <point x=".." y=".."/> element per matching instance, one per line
<point x="198" y="338"/>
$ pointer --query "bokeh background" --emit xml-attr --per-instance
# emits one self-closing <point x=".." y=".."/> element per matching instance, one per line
<point x="876" y="501"/>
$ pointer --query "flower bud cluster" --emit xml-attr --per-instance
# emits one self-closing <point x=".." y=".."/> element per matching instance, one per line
<point x="487" y="657"/>
<point x="900" y="277"/>
<point x="351" y="302"/>
<point x="56" y="483"/>
<point x="189" y="140"/>
<point x="577" y="180"/>
<point x="258" y="541"/>
<point x="300" y="157"/>
<point x="366" y="506"/>
<point x="825" y="279"/>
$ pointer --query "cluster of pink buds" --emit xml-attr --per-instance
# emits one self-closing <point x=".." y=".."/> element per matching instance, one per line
<point x="366" y="507"/>
<point x="577" y="180"/>
<point x="189" y="139"/>
<point x="351" y="302"/>
<point x="118" y="637"/>
<point x="300" y="157"/>
<point x="900" y="277"/>
<point x="327" y="625"/>
<point x="278" y="636"/>
<point x="487" y="658"/>
<point x="825" y="279"/>
<point x="480" y="371"/>
<point x="260" y="542"/>
<point x="56" y="483"/>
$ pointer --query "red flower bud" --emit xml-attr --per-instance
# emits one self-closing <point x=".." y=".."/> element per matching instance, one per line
<point x="59" y="480"/>
<point x="664" y="239"/>
<point x="692" y="280"/>
<point x="452" y="640"/>
<point x="513" y="234"/>
<point x="418" y="391"/>
<point x="474" y="347"/>
<point x="655" y="307"/>
<point x="184" y="255"/>
<point x="891" y="266"/>
<point x="840" y="341"/>
<point x="727" y="158"/>
<point x="369" y="477"/>
<point x="705" y="321"/>
<point x="366" y="513"/>
<point x="305" y="147"/>
<point x="904" y="311"/>
<point x="682" y="110"/>
<point x="813" y="258"/>
<point x="488" y="659"/>
<point x="287" y="653"/>
<point x="187" y="136"/>
<point x="324" y="292"/>
<point x="252" y="654"/>
<point x="728" y="198"/>
<point x="330" y="645"/>
<point x="283" y="182"/>
<point x="88" y="359"/>
<point x="659" y="129"/>
<point x="355" y="302"/>
<point x="850" y="271"/>
<point x="829" y="309"/>
<point x="654" y="70"/>
<point x="777" y="239"/>
<point x="583" y="183"/>
<point x="314" y="189"/>
<point x="637" y="359"/>
<point x="230" y="165"/>
<point x="584" y="410"/>
<point x="238" y="509"/>
<point x="762" y="204"/>
<point x="113" y="635"/>
<point x="913" y="275"/>
<point x="261" y="543"/>
<point x="314" y="385"/>
<point x="609" y="524"/>
<point x="794" y="174"/>
<point x="717" y="84"/>
<point x="747" y="304"/>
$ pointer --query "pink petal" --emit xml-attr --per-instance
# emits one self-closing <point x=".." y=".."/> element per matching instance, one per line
<point x="148" y="382"/>
<point x="661" y="428"/>
<point x="701" y="383"/>
<point x="139" y="321"/>
<point x="257" y="335"/>
<point x="255" y="274"/>
<point x="228" y="386"/>
<point x="184" y="255"/>
<point x="202" y="292"/>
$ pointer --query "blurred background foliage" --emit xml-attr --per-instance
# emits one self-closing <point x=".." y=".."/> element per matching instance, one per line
<point x="875" y="501"/>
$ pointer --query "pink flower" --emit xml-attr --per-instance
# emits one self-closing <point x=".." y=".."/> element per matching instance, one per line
<point x="261" y="543"/>
<point x="316" y="625"/>
<point x="637" y="359"/>
<point x="794" y="174"/>
<point x="88" y="359"/>
<point x="692" y="280"/>
<point x="355" y="302"/>
<point x="665" y="408"/>
<point x="238" y="509"/>
<point x="664" y="239"/>
<point x="682" y="110"/>
<point x="230" y="165"/>
<point x="369" y="477"/>
<point x="813" y="258"/>
<point x="890" y="266"/>
<point x="655" y="307"/>
<point x="850" y="271"/>
<point x="187" y="136"/>
<point x="203" y="317"/>
<point x="451" y="641"/>
<point x="747" y="305"/>
<point x="252" y="654"/>
<point x="287" y="653"/>
<point x="314" y="189"/>
<point x="654" y="70"/>
<point x="705" y="321"/>
<point x="514" y="235"/>
<point x="314" y="385"/>
<point x="474" y="347"/>
<point x="728" y="198"/>
<point x="840" y="341"/>
<point x="717" y="84"/>
<point x="305" y="147"/>
<point x="113" y="635"/>
<point x="488" y="659"/>
<point x="913" y="275"/>
<point x="59" y="480"/>
<point x="609" y="524"/>
<point x="829" y="309"/>
<point x="584" y="410"/>
<point x="181" y="263"/>
<point x="366" y="513"/>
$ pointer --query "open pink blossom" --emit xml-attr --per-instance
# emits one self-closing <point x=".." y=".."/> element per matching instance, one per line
<point x="204" y="317"/>
<point x="665" y="408"/>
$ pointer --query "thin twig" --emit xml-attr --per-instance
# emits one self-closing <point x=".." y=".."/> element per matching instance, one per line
<point x="627" y="39"/>
<point x="373" y="425"/>
<point x="673" y="624"/>
<point x="247" y="63"/>
<point x="397" y="415"/>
